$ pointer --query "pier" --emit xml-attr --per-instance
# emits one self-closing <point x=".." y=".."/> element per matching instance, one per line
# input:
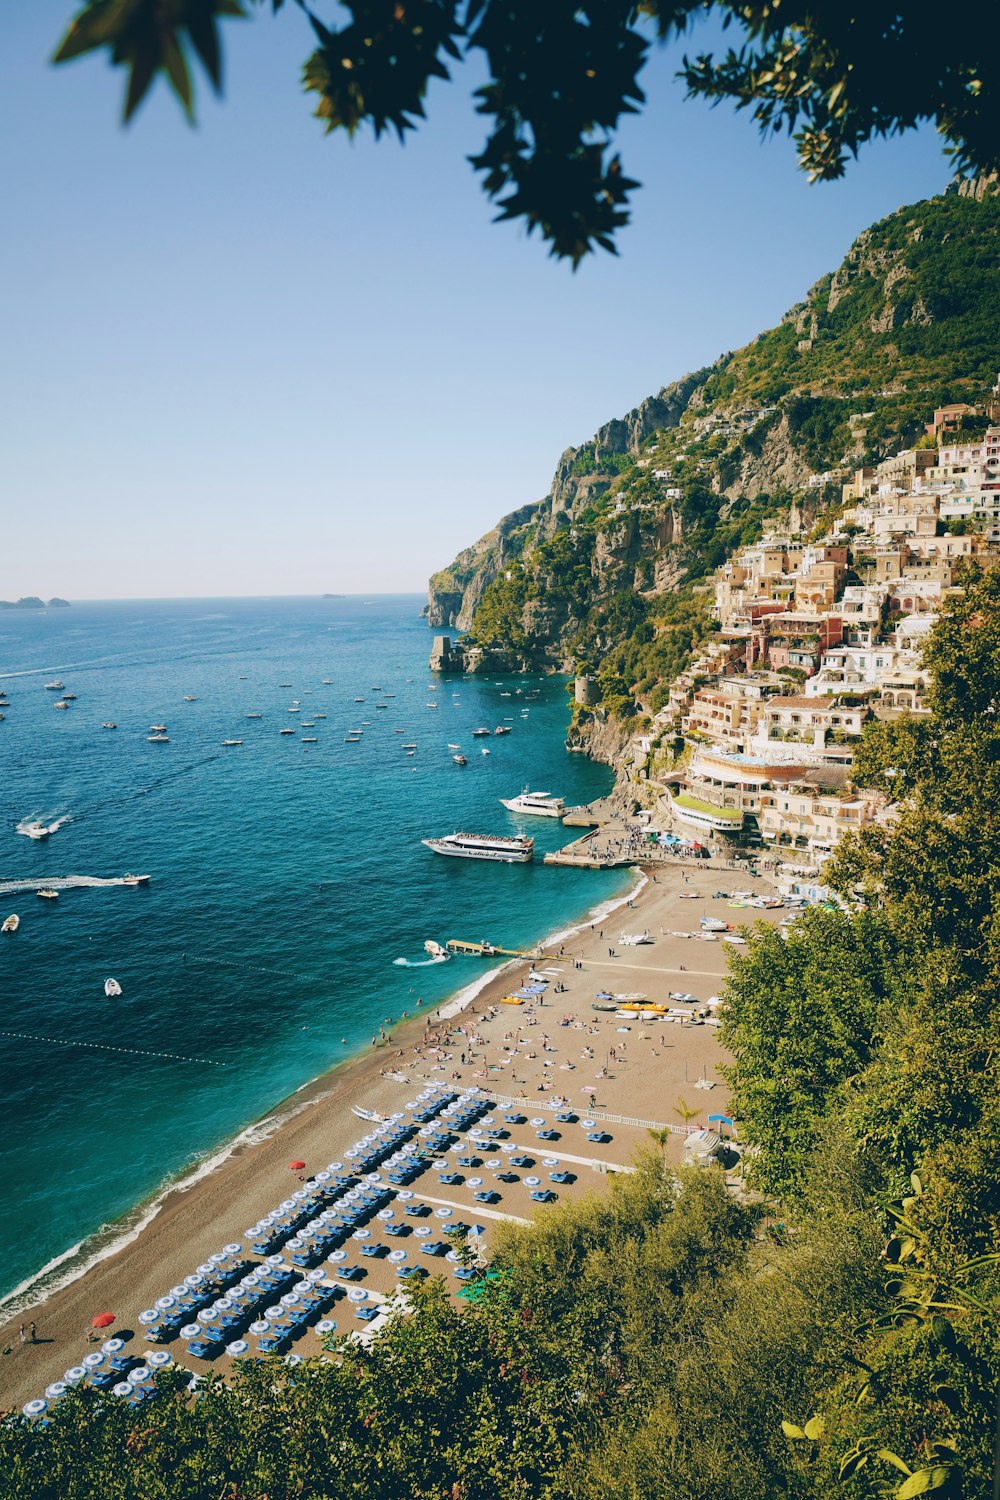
<point x="487" y="950"/>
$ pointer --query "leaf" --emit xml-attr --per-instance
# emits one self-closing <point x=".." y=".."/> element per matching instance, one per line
<point x="895" y="1460"/>
<point x="918" y="1187"/>
<point x="923" y="1480"/>
<point x="791" y="1431"/>
<point x="815" y="1428"/>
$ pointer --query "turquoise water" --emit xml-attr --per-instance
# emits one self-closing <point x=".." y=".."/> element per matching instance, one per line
<point x="285" y="879"/>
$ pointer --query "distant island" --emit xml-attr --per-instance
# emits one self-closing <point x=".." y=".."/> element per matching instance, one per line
<point x="31" y="602"/>
<point x="331" y="596"/>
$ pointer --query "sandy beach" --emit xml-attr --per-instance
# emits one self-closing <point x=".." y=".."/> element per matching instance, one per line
<point x="652" y="1073"/>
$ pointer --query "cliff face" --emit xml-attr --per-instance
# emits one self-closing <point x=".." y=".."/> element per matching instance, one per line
<point x="606" y="574"/>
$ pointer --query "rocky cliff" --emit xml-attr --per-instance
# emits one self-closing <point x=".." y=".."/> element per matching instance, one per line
<point x="607" y="573"/>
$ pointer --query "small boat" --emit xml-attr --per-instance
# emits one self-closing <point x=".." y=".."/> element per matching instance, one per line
<point x="352" y="739"/>
<point x="411" y="752"/>
<point x="294" y="709"/>
<point x="190" y="698"/>
<point x="367" y="1114"/>
<point x="481" y="733"/>
<point x="135" y="879"/>
<point x="286" y="731"/>
<point x="460" y="760"/>
<point x="11" y="924"/>
<point x="158" y="739"/>
<point x="112" y="988"/>
<point x="319" y="716"/>
<point x="284" y="684"/>
<point x="382" y="705"/>
<point x="432" y="705"/>
<point x="309" y="739"/>
<point x="450" y="747"/>
<point x="409" y="747"/>
<point x="61" y="703"/>
<point x="36" y="830"/>
<point x="634" y="939"/>
<point x="69" y="697"/>
<point x="157" y="728"/>
<point x="502" y="729"/>
<point x="376" y="689"/>
<point x="435" y="949"/>
<point x="253" y="716"/>
<point x="328" y="682"/>
<point x="55" y="686"/>
<point x="232" y="742"/>
<point x="359" y="700"/>
<point x="306" y="724"/>
<point x="484" y="751"/>
<point x="47" y="895"/>
<point x="109" y="725"/>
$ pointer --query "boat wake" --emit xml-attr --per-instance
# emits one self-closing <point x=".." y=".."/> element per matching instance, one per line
<point x="34" y="828"/>
<point x="420" y="963"/>
<point x="59" y="883"/>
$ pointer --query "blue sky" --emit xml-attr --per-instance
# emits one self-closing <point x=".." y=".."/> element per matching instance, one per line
<point x="252" y="359"/>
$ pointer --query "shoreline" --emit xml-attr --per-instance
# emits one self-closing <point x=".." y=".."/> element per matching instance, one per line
<point x="112" y="1239"/>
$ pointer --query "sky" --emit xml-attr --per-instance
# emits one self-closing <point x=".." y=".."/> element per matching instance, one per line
<point x="251" y="359"/>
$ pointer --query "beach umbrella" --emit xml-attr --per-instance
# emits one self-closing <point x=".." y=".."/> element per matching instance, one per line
<point x="443" y="1213"/>
<point x="275" y="1314"/>
<point x="181" y="1291"/>
<point x="218" y="1259"/>
<point x="303" y="1286"/>
<point x="166" y="1303"/>
<point x="550" y="1161"/>
<point x="361" y="1234"/>
<point x="258" y="1232"/>
<point x="386" y="1214"/>
<point x="405" y="1195"/>
<point x="191" y="1331"/>
<point x="478" y="1229"/>
<point x="296" y="1166"/>
<point x="495" y="1163"/>
<point x="123" y="1388"/>
<point x="452" y="1255"/>
<point x="299" y="1197"/>
<point x="158" y="1359"/>
<point x="94" y="1361"/>
<point x="509" y="1147"/>
<point x="323" y="1176"/>
<point x="423" y="1231"/>
<point x="261" y="1326"/>
<point x="325" y="1325"/>
<point x="316" y="1275"/>
<point x="55" y="1390"/>
<point x="102" y="1320"/>
<point x="537" y="1121"/>
<point x="195" y="1280"/>
<point x="396" y="1256"/>
<point x="272" y="1260"/>
<point x="350" y="1155"/>
<point x="208" y="1315"/>
<point x="291" y="1299"/>
<point x="75" y="1374"/>
<point x="336" y="1256"/>
<point x="254" y="1278"/>
<point x="113" y="1346"/>
<point x="35" y="1408"/>
<point x="232" y="1249"/>
<point x="532" y="1182"/>
<point x="357" y="1294"/>
<point x="335" y="1166"/>
<point x="138" y="1376"/>
<point x="293" y="1359"/>
<point x="587" y="1124"/>
<point x="150" y="1315"/>
<point x="207" y="1270"/>
<point x="474" y="1182"/>
<point x="224" y="1304"/>
<point x="238" y="1348"/>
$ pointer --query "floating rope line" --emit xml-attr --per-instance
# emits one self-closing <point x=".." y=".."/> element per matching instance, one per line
<point x="232" y="963"/>
<point x="58" y="1041"/>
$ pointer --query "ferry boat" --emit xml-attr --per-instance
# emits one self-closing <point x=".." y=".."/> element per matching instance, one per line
<point x="11" y="924"/>
<point x="540" y="804"/>
<point x="112" y="988"/>
<point x="517" y="850"/>
<point x="47" y="895"/>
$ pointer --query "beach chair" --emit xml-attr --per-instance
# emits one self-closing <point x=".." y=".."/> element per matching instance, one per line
<point x="487" y="1195"/>
<point x="562" y="1177"/>
<point x="464" y="1273"/>
<point x="599" y="1137"/>
<point x="543" y="1195"/>
<point x="548" y="1134"/>
<point x="522" y="1161"/>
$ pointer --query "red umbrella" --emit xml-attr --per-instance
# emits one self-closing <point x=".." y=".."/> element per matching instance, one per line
<point x="103" y="1320"/>
<point x="296" y="1166"/>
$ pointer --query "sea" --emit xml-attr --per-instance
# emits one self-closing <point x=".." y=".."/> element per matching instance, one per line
<point x="289" y="893"/>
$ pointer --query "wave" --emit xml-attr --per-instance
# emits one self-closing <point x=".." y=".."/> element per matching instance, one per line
<point x="52" y="827"/>
<point x="58" y="883"/>
<point x="421" y="963"/>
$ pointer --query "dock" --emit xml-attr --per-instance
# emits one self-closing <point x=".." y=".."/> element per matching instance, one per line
<point x="487" y="950"/>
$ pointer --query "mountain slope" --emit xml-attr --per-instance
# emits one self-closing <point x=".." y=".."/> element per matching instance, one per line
<point x="603" y="574"/>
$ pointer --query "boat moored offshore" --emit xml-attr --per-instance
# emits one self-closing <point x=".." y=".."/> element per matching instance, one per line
<point x="539" y="804"/>
<point x="516" y="850"/>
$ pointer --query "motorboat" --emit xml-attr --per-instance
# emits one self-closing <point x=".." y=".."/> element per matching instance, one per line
<point x="69" y="697"/>
<point x="158" y="739"/>
<point x="157" y="728"/>
<point x="253" y="716"/>
<point x="36" y="830"/>
<point x="190" y="698"/>
<point x="634" y="939"/>
<point x="60" y="703"/>
<point x="359" y="700"/>
<point x="286" y="731"/>
<point x="306" y="724"/>
<point x="319" y="716"/>
<point x="135" y="879"/>
<point x="328" y="682"/>
<point x="284" y="684"/>
<point x="109" y="725"/>
<point x="55" y="686"/>
<point x="460" y="760"/>
<point x="502" y="729"/>
<point x="112" y="988"/>
<point x="435" y="949"/>
<point x="516" y="850"/>
<point x="484" y="751"/>
<point x="539" y="804"/>
<point x="309" y="739"/>
<point x="11" y="923"/>
<point x="481" y="733"/>
<point x="232" y="742"/>
<point x="47" y="895"/>
<point x="409" y="747"/>
<point x="352" y="739"/>
<point x="454" y="747"/>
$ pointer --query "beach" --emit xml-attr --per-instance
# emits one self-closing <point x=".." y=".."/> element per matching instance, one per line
<point x="634" y="1074"/>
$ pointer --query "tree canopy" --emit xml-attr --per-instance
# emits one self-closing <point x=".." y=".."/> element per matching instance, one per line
<point x="561" y="75"/>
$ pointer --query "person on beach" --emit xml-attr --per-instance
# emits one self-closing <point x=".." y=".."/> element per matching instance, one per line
<point x="32" y="1333"/>
<point x="22" y="1334"/>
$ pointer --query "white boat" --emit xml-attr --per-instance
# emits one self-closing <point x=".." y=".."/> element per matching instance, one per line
<point x="502" y="729"/>
<point x="409" y="747"/>
<point x="47" y="894"/>
<point x="435" y="949"/>
<point x="112" y="988"/>
<point x="158" y="739"/>
<point x="253" y="716"/>
<point x="60" y="703"/>
<point x="480" y="734"/>
<point x="634" y="939"/>
<point x="540" y="804"/>
<point x="460" y="760"/>
<point x="135" y="880"/>
<point x="352" y="739"/>
<point x="309" y="739"/>
<point x="36" y="830"/>
<point x="232" y="742"/>
<point x="286" y="731"/>
<point x="714" y="924"/>
<point x="55" y="686"/>
<point x="157" y="728"/>
<point x="484" y="751"/>
<point x="367" y="1114"/>
<point x="109" y="725"/>
<point x="517" y="850"/>
<point x="190" y="698"/>
<point x="11" y="923"/>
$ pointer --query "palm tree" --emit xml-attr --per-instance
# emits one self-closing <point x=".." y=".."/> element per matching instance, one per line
<point x="685" y="1111"/>
<point x="661" y="1137"/>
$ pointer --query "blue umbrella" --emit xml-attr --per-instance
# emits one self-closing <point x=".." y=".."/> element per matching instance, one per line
<point x="35" y="1408"/>
<point x="55" y="1390"/>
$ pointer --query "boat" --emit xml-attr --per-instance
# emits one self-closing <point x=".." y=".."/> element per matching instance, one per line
<point x="367" y="1114"/>
<point x="61" y="703"/>
<point x="284" y="684"/>
<point x="309" y="739"/>
<point x="435" y="949"/>
<point x="450" y="745"/>
<point x="359" y="700"/>
<point x="516" y="850"/>
<point x="294" y="709"/>
<point x="539" y="804"/>
<point x="109" y="725"/>
<point x="352" y="739"/>
<point x="460" y="760"/>
<point x="253" y="716"/>
<point x="409" y="747"/>
<point x="382" y="705"/>
<point x="135" y="879"/>
<point x="11" y="923"/>
<point x="432" y="705"/>
<point x="55" y="686"/>
<point x="232" y="742"/>
<point x="306" y="724"/>
<point x="319" y="716"/>
<point x="158" y="739"/>
<point x="502" y="729"/>
<point x="190" y="698"/>
<point x="112" y="988"/>
<point x="412" y="752"/>
<point x="36" y="830"/>
<point x="714" y="924"/>
<point x="328" y="682"/>
<point x="157" y="728"/>
<point x="69" y="697"/>
<point x="286" y="731"/>
<point x="484" y="751"/>
<point x="47" y="895"/>
<point x="634" y="939"/>
<point x="481" y="733"/>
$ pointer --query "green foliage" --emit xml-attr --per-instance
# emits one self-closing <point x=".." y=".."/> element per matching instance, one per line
<point x="560" y="79"/>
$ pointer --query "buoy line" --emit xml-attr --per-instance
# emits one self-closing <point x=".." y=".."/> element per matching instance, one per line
<point x="232" y="963"/>
<point x="58" y="1041"/>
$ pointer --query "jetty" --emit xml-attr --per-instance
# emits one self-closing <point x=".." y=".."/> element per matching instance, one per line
<point x="488" y="950"/>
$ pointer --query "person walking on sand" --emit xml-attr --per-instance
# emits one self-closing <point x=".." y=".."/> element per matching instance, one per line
<point x="22" y="1334"/>
<point x="32" y="1333"/>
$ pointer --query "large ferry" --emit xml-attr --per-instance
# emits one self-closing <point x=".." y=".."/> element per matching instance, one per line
<point x="541" y="804"/>
<point x="516" y="850"/>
